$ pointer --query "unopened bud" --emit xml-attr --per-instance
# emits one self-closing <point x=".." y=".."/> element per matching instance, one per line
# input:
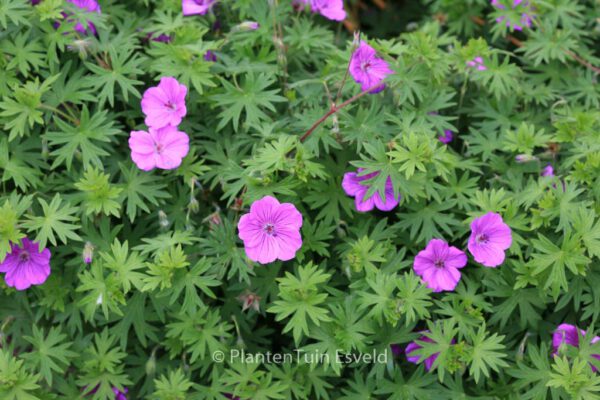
<point x="247" y="26"/>
<point x="523" y="158"/>
<point x="163" y="221"/>
<point x="88" y="252"/>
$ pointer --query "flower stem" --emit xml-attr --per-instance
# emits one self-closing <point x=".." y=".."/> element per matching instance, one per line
<point x="334" y="108"/>
<point x="62" y="114"/>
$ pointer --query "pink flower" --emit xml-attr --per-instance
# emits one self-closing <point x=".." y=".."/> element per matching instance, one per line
<point x="330" y="9"/>
<point x="353" y="187"/>
<point x="164" y="104"/>
<point x="120" y="395"/>
<point x="412" y="346"/>
<point x="210" y="56"/>
<point x="446" y="137"/>
<point x="193" y="7"/>
<point x="367" y="69"/>
<point x="438" y="264"/>
<point x="477" y="62"/>
<point x="162" y="148"/>
<point x="25" y="265"/>
<point x="566" y="334"/>
<point x="548" y="170"/>
<point x="271" y="231"/>
<point x="490" y="237"/>
<point x="86" y="5"/>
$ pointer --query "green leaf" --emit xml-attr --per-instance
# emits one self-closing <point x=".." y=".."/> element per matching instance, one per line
<point x="51" y="353"/>
<point x="58" y="219"/>
<point x="485" y="354"/>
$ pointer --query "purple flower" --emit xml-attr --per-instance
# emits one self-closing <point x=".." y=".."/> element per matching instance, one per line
<point x="490" y="237"/>
<point x="396" y="350"/>
<point x="271" y="231"/>
<point x="120" y="395"/>
<point x="193" y="7"/>
<point x="566" y="334"/>
<point x="210" y="56"/>
<point x="548" y="170"/>
<point x="412" y="346"/>
<point x="162" y="38"/>
<point x="89" y="6"/>
<point x="438" y="264"/>
<point x="330" y="9"/>
<point x="353" y="187"/>
<point x="367" y="69"/>
<point x="164" y="104"/>
<point x="162" y="148"/>
<point x="35" y="2"/>
<point x="446" y="137"/>
<point x="477" y="62"/>
<point x="521" y="10"/>
<point x="25" y="265"/>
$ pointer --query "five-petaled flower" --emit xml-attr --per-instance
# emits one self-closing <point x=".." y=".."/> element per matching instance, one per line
<point x="26" y="265"/>
<point x="271" y="231"/>
<point x="368" y="69"/>
<point x="438" y="265"/>
<point x="330" y="9"/>
<point x="194" y="7"/>
<point x="162" y="148"/>
<point x="353" y="187"/>
<point x="164" y="104"/>
<point x="490" y="237"/>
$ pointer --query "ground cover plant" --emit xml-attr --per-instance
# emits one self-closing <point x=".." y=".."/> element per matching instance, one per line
<point x="299" y="199"/>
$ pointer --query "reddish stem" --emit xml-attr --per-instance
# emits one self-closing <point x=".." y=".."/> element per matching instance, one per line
<point x="335" y="109"/>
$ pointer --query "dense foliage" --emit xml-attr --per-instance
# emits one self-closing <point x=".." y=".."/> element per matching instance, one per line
<point x="149" y="279"/>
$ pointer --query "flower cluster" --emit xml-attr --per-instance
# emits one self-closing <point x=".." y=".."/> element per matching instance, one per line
<point x="163" y="146"/>
<point x="523" y="10"/>
<point x="438" y="264"/>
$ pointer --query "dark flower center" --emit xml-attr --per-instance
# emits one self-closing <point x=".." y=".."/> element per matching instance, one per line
<point x="482" y="238"/>
<point x="24" y="256"/>
<point x="365" y="66"/>
<point x="170" y="105"/>
<point x="269" y="229"/>
<point x="439" y="263"/>
<point x="159" y="147"/>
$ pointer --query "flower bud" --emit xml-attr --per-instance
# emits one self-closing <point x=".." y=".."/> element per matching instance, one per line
<point x="247" y="26"/>
<point x="163" y="221"/>
<point x="88" y="252"/>
<point x="523" y="158"/>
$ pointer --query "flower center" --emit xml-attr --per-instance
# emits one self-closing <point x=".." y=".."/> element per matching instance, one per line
<point x="365" y="66"/>
<point x="439" y="263"/>
<point x="170" y="105"/>
<point x="159" y="147"/>
<point x="24" y="256"/>
<point x="269" y="229"/>
<point x="481" y="238"/>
